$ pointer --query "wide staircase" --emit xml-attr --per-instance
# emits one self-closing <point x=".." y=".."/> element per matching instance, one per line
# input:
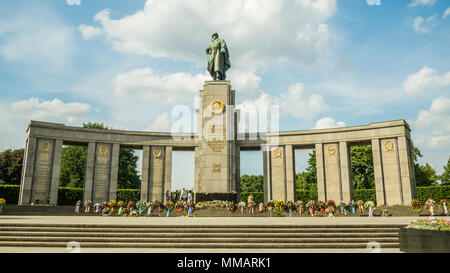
<point x="199" y="236"/>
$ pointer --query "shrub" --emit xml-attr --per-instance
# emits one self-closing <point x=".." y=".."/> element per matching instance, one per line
<point x="10" y="193"/>
<point x="128" y="195"/>
<point x="69" y="196"/>
<point x="434" y="192"/>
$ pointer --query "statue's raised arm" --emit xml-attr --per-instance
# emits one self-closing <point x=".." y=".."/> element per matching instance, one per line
<point x="218" y="59"/>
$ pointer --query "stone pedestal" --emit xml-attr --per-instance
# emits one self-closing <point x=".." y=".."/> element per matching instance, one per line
<point x="216" y="155"/>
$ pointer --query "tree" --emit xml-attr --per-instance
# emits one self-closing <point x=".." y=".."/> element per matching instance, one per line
<point x="73" y="165"/>
<point x="307" y="180"/>
<point x="425" y="175"/>
<point x="252" y="183"/>
<point x="11" y="162"/>
<point x="362" y="167"/>
<point x="445" y="176"/>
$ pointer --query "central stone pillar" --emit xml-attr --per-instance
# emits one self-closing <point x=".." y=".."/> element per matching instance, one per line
<point x="216" y="157"/>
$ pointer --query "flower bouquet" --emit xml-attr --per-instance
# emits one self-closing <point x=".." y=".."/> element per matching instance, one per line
<point x="87" y="206"/>
<point x="416" y="206"/>
<point x="360" y="204"/>
<point x="310" y="206"/>
<point x="179" y="205"/>
<point x="330" y="203"/>
<point x="352" y="205"/>
<point x="77" y="207"/>
<point x="279" y="207"/>
<point x="232" y="207"/>
<point x="190" y="207"/>
<point x="2" y="204"/>
<point x="270" y="205"/>
<point x="429" y="204"/>
<point x="120" y="204"/>
<point x="290" y="206"/>
<point x="169" y="205"/>
<point x="125" y="212"/>
<point x="299" y="206"/>
<point x="131" y="205"/>
<point x="242" y="206"/>
<point x="141" y="206"/>
<point x="97" y="207"/>
<point x="107" y="211"/>
<point x="318" y="212"/>
<point x="261" y="207"/>
<point x="112" y="204"/>
<point x="370" y="205"/>
<point x="330" y="211"/>
<point x="384" y="211"/>
<point x="343" y="207"/>
<point x="443" y="204"/>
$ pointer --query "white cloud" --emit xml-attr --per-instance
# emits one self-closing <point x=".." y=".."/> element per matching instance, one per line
<point x="425" y="78"/>
<point x="89" y="32"/>
<point x="162" y="123"/>
<point x="73" y="2"/>
<point x="433" y="124"/>
<point x="52" y="111"/>
<point x="296" y="103"/>
<point x="251" y="28"/>
<point x="328" y="122"/>
<point x="167" y="89"/>
<point x="421" y="25"/>
<point x="33" y="38"/>
<point x="415" y="3"/>
<point x="446" y="13"/>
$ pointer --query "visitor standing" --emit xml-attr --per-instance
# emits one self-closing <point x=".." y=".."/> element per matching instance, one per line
<point x="167" y="196"/>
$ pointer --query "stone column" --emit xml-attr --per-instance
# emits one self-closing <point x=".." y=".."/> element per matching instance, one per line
<point x="27" y="171"/>
<point x="216" y="171"/>
<point x="290" y="174"/>
<point x="391" y="171"/>
<point x="168" y="171"/>
<point x="102" y="173"/>
<point x="267" y="176"/>
<point x="55" y="172"/>
<point x="346" y="172"/>
<point x="42" y="173"/>
<point x="332" y="172"/>
<point x="237" y="179"/>
<point x="406" y="166"/>
<point x="278" y="173"/>
<point x="321" y="185"/>
<point x="197" y="168"/>
<point x="89" y="176"/>
<point x="114" y="171"/>
<point x="145" y="173"/>
<point x="156" y="175"/>
<point x="378" y="172"/>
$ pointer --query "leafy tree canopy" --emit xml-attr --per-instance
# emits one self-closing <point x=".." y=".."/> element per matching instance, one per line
<point x="11" y="162"/>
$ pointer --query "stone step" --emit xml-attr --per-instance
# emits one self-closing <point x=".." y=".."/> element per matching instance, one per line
<point x="189" y="229"/>
<point x="199" y="225"/>
<point x="195" y="240"/>
<point x="195" y="235"/>
<point x="198" y="245"/>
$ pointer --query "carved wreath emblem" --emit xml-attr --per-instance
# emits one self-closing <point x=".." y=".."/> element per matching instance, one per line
<point x="388" y="145"/>
<point x="277" y="152"/>
<point x="103" y="150"/>
<point x="45" y="146"/>
<point x="331" y="150"/>
<point x="157" y="153"/>
<point x="216" y="107"/>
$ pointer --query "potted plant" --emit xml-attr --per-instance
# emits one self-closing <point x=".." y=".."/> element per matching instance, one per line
<point x="425" y="236"/>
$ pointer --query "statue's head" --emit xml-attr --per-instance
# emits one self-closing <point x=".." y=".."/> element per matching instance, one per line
<point x="215" y="35"/>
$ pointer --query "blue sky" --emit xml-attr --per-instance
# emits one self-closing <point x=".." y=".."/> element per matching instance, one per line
<point x="326" y="63"/>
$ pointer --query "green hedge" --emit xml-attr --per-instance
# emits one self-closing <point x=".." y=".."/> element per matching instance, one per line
<point x="436" y="193"/>
<point x="258" y="197"/>
<point x="10" y="193"/>
<point x="128" y="195"/>
<point x="69" y="196"/>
